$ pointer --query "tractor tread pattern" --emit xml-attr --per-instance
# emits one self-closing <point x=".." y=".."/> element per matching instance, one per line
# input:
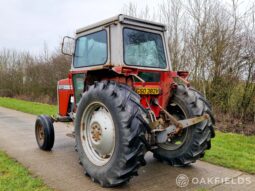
<point x="202" y="132"/>
<point x="127" y="103"/>
<point x="49" y="136"/>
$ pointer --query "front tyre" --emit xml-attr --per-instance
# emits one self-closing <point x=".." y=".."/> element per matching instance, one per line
<point x="44" y="132"/>
<point x="109" y="130"/>
<point x="190" y="144"/>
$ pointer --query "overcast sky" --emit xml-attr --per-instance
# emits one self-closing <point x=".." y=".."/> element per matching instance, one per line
<point x="29" y="24"/>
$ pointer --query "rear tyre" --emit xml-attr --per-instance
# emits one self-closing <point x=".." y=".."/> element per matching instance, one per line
<point x="44" y="132"/>
<point x="190" y="144"/>
<point x="109" y="130"/>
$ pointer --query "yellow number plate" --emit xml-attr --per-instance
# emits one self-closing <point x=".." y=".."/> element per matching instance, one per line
<point x="146" y="91"/>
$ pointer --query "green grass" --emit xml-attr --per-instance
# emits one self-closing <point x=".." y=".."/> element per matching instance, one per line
<point x="228" y="150"/>
<point x="233" y="151"/>
<point x="13" y="176"/>
<point x="28" y="107"/>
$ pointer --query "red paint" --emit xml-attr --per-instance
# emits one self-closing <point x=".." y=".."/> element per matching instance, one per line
<point x="64" y="96"/>
<point x="166" y="85"/>
<point x="163" y="98"/>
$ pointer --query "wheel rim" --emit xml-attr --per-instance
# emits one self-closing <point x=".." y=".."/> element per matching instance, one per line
<point x="40" y="134"/>
<point x="97" y="133"/>
<point x="179" y="139"/>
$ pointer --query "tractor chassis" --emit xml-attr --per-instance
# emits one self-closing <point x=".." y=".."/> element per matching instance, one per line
<point x="156" y="127"/>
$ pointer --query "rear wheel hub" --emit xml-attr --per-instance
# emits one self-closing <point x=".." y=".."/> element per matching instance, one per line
<point x="98" y="133"/>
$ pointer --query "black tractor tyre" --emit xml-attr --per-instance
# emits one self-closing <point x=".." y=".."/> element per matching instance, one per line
<point x="123" y="104"/>
<point x="44" y="132"/>
<point x="191" y="103"/>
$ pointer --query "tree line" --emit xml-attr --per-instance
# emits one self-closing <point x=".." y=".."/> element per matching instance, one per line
<point x="31" y="77"/>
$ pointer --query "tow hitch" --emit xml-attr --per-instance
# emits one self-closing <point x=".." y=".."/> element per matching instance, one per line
<point x="176" y="126"/>
<point x="163" y="135"/>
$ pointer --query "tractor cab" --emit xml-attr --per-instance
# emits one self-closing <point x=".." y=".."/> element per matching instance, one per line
<point x="114" y="49"/>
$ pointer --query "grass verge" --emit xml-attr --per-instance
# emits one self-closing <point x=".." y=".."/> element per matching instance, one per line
<point x="28" y="106"/>
<point x="233" y="151"/>
<point x="13" y="176"/>
<point x="229" y="150"/>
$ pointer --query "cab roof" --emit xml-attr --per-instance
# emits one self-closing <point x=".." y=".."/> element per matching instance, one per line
<point x="125" y="20"/>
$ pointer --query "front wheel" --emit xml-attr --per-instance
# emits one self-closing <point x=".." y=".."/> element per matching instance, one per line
<point x="190" y="144"/>
<point x="109" y="130"/>
<point x="44" y="132"/>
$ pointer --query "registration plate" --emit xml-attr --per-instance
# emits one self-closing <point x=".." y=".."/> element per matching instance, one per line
<point x="146" y="91"/>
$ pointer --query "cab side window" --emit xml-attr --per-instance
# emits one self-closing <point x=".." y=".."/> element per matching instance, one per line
<point x="91" y="50"/>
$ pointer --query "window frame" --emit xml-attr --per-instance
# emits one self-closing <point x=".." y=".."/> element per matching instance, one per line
<point x="141" y="30"/>
<point x="107" y="49"/>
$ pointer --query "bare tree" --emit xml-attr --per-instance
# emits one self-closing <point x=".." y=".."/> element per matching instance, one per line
<point x="214" y="41"/>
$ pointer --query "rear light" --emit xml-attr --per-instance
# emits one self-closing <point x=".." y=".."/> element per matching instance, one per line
<point x="183" y="74"/>
<point x="174" y="86"/>
<point x="129" y="71"/>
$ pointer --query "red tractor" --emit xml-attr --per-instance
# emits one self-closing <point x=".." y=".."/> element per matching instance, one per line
<point x="125" y="100"/>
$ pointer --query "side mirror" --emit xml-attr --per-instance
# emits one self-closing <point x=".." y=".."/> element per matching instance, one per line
<point x="67" y="47"/>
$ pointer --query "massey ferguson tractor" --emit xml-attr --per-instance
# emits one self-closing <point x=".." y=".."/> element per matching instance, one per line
<point x="125" y="100"/>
